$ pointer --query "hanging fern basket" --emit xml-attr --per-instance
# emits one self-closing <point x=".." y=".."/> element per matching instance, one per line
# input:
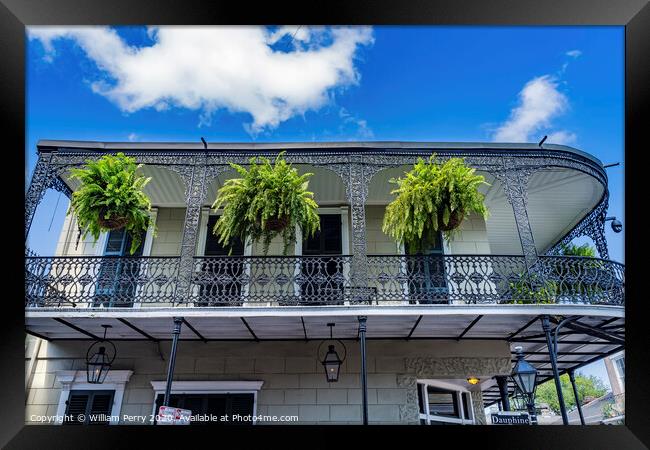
<point x="277" y="224"/>
<point x="113" y="222"/>
<point x="455" y="219"/>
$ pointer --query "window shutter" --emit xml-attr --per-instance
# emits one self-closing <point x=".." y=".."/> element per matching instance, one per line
<point x="100" y="411"/>
<point x="95" y="405"/>
<point x="76" y="404"/>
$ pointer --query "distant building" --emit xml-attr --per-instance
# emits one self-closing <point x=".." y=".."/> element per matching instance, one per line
<point x="615" y="366"/>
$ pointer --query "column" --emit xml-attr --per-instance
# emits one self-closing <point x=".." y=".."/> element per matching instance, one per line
<point x="502" y="382"/>
<point x="178" y="321"/>
<point x="37" y="187"/>
<point x="515" y="186"/>
<point x="576" y="395"/>
<point x="556" y="374"/>
<point x="43" y="178"/>
<point x="364" y="371"/>
<point x="195" y="187"/>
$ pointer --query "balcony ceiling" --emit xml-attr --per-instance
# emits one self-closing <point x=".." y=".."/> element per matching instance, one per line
<point x="517" y="324"/>
<point x="557" y="199"/>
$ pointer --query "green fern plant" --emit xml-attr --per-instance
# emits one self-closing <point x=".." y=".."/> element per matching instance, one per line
<point x="530" y="289"/>
<point x="110" y="197"/>
<point x="432" y="197"/>
<point x="268" y="200"/>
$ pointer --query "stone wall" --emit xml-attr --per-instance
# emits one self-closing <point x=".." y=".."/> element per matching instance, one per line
<point x="294" y="382"/>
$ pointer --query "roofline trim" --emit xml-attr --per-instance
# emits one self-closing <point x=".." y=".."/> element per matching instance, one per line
<point x="47" y="145"/>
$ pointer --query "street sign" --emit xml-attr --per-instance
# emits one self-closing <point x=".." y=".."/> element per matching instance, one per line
<point x="510" y="418"/>
<point x="168" y="415"/>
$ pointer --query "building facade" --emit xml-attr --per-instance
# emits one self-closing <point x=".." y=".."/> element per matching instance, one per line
<point x="252" y="329"/>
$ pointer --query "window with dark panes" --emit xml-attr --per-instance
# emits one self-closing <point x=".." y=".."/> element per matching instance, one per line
<point x="221" y="285"/>
<point x="467" y="406"/>
<point x="221" y="405"/>
<point x="428" y="275"/>
<point x="89" y="407"/>
<point x="322" y="283"/>
<point x="118" y="274"/>
<point x="441" y="406"/>
<point x="442" y="402"/>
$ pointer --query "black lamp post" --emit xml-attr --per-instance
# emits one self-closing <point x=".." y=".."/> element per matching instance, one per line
<point x="525" y="377"/>
<point x="99" y="363"/>
<point x="332" y="362"/>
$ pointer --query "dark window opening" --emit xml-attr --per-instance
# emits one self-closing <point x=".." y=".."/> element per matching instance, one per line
<point x="443" y="402"/>
<point x="322" y="277"/>
<point x="224" y="406"/>
<point x="226" y="273"/>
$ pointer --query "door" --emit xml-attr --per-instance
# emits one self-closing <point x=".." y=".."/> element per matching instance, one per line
<point x="427" y="275"/>
<point x="118" y="271"/>
<point x="238" y="408"/>
<point x="323" y="277"/>
<point x="220" y="273"/>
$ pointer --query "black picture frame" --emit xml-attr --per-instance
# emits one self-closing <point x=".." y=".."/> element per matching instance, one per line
<point x="634" y="15"/>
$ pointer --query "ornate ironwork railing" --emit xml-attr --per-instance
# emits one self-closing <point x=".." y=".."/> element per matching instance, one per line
<point x="322" y="280"/>
<point x="452" y="279"/>
<point x="277" y="280"/>
<point x="111" y="281"/>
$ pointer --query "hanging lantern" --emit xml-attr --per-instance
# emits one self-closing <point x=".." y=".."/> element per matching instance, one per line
<point x="524" y="375"/>
<point x="98" y="360"/>
<point x="332" y="362"/>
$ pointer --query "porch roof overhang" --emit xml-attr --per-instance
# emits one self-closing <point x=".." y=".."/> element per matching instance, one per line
<point x="519" y="325"/>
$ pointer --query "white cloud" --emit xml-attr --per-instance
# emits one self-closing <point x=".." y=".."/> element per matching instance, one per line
<point x="561" y="137"/>
<point x="574" y="53"/>
<point x="133" y="137"/>
<point x="210" y="68"/>
<point x="362" y="129"/>
<point x="539" y="102"/>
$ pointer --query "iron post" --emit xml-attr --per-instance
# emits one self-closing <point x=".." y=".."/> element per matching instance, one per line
<point x="502" y="382"/>
<point x="364" y="373"/>
<point x="556" y="374"/>
<point x="576" y="395"/>
<point x="178" y="321"/>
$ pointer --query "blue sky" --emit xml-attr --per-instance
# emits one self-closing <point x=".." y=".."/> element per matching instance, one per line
<point x="415" y="83"/>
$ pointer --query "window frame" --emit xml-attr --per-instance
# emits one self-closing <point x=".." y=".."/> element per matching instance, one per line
<point x="75" y="380"/>
<point x="88" y="409"/>
<point x="467" y="417"/>
<point x="147" y="245"/>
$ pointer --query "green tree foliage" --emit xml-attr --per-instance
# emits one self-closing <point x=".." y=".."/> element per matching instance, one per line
<point x="265" y="193"/>
<point x="111" y="188"/>
<point x="588" y="386"/>
<point x="578" y="250"/>
<point x="433" y="196"/>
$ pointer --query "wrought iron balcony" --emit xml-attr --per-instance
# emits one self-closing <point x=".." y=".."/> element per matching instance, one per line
<point x="321" y="280"/>
<point x="108" y="281"/>
<point x="463" y="279"/>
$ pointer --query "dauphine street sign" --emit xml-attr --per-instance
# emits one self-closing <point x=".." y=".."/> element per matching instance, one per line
<point x="168" y="415"/>
<point x="510" y="418"/>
